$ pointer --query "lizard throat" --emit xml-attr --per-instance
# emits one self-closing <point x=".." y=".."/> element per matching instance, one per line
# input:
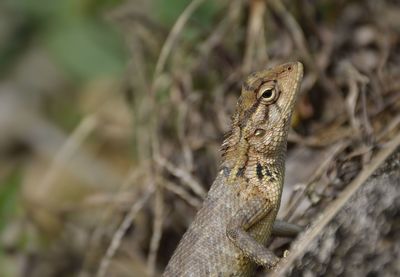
<point x="241" y="162"/>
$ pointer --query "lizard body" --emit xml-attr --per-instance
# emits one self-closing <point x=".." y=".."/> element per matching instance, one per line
<point x="228" y="234"/>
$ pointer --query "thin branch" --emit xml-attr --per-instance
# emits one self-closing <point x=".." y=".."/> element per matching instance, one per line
<point x="67" y="150"/>
<point x="255" y="41"/>
<point x="174" y="35"/>
<point x="183" y="175"/>
<point x="119" y="234"/>
<point x="179" y="191"/>
<point x="300" y="246"/>
<point x="96" y="235"/>
<point x="157" y="231"/>
<point x="316" y="176"/>
<point x="301" y="43"/>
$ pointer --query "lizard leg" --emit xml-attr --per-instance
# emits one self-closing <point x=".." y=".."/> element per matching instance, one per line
<point x="285" y="229"/>
<point x="250" y="214"/>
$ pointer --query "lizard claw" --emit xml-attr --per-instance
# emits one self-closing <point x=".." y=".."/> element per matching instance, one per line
<point x="286" y="253"/>
<point x="282" y="260"/>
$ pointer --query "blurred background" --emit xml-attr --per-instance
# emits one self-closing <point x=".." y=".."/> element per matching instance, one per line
<point x="112" y="114"/>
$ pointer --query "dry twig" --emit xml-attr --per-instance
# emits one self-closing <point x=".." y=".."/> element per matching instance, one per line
<point x="256" y="49"/>
<point x="186" y="178"/>
<point x="180" y="192"/>
<point x="301" y="244"/>
<point x="174" y="35"/>
<point x="118" y="235"/>
<point x="157" y="231"/>
<point x="319" y="172"/>
<point x="67" y="150"/>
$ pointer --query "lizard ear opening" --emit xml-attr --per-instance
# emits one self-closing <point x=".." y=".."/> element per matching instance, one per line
<point x="259" y="132"/>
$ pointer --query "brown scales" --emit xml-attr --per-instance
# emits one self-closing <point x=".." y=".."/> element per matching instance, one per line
<point x="227" y="235"/>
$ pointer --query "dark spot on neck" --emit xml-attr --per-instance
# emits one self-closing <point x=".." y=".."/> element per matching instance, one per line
<point x="226" y="171"/>
<point x="270" y="175"/>
<point x="240" y="172"/>
<point x="268" y="172"/>
<point x="259" y="171"/>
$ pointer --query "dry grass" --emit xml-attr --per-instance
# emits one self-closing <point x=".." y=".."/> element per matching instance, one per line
<point x="117" y="193"/>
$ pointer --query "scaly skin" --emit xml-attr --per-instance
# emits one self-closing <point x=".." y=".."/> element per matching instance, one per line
<point x="228" y="234"/>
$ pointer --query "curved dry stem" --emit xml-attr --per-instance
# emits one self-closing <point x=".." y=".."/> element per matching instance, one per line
<point x="173" y="36"/>
<point x="300" y="246"/>
<point x="256" y="48"/>
<point x="119" y="234"/>
<point x="67" y="150"/>
<point x="157" y="231"/>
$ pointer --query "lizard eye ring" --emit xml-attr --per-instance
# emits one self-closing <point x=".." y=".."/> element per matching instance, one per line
<point x="267" y="92"/>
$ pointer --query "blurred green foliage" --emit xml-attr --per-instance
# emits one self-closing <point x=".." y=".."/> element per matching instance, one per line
<point x="168" y="11"/>
<point x="202" y="19"/>
<point x="9" y="188"/>
<point x="10" y="208"/>
<point x="85" y="46"/>
<point x="75" y="34"/>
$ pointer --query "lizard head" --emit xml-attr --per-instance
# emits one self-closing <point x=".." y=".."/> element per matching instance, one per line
<point x="263" y="112"/>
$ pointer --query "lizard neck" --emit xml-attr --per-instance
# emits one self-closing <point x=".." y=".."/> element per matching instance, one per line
<point x="242" y="155"/>
<point x="244" y="162"/>
<point x="253" y="173"/>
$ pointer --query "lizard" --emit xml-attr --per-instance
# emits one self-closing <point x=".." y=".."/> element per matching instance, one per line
<point x="228" y="233"/>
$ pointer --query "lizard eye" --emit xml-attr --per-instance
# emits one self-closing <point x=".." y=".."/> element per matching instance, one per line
<point x="267" y="92"/>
